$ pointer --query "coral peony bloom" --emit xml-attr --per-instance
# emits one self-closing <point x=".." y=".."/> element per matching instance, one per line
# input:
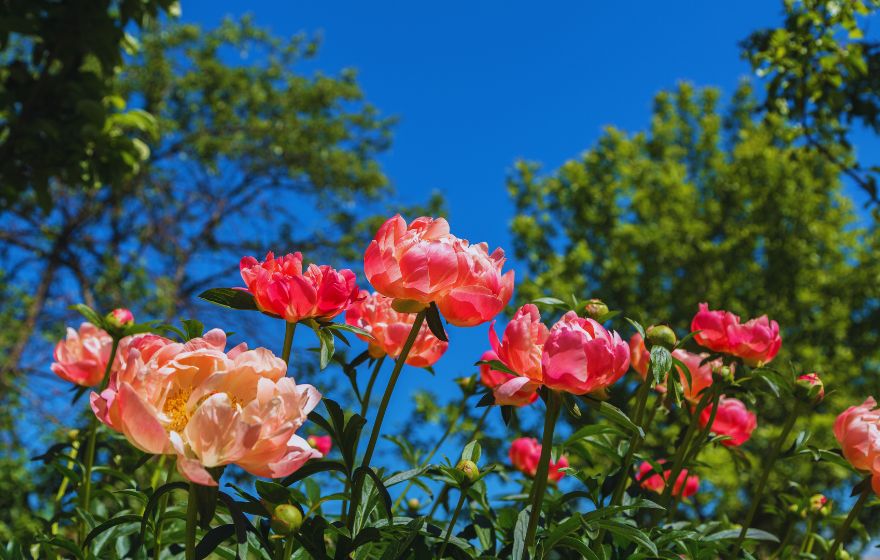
<point x="857" y="430"/>
<point x="757" y="341"/>
<point x="390" y="329"/>
<point x="580" y="356"/>
<point x="656" y="483"/>
<point x="733" y="419"/>
<point x="82" y="357"/>
<point x="416" y="262"/>
<point x="481" y="291"/>
<point x="639" y="357"/>
<point x="525" y="453"/>
<point x="210" y="407"/>
<point x="321" y="443"/>
<point x="280" y="287"/>
<point x="424" y="262"/>
<point x="520" y="349"/>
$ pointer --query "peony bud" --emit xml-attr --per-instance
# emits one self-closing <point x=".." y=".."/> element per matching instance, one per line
<point x="596" y="309"/>
<point x="413" y="504"/>
<point x="120" y="317"/>
<point x="286" y="519"/>
<point x="470" y="470"/>
<point x="819" y="504"/>
<point x="661" y="335"/>
<point x="811" y="388"/>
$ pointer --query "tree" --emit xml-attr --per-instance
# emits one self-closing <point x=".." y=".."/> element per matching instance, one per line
<point x="721" y="208"/>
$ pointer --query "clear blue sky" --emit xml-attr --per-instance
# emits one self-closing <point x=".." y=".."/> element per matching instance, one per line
<point x="477" y="85"/>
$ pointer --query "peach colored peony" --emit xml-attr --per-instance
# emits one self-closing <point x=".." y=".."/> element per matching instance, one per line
<point x="857" y="430"/>
<point x="280" y="287"/>
<point x="81" y="358"/>
<point x="656" y="483"/>
<point x="525" y="454"/>
<point x="757" y="341"/>
<point x="520" y="349"/>
<point x="733" y="419"/>
<point x="581" y="356"/>
<point x="425" y="263"/>
<point x="210" y="407"/>
<point x="321" y="443"/>
<point x="390" y="329"/>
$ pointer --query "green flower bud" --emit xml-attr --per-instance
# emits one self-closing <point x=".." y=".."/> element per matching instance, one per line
<point x="596" y="309"/>
<point x="413" y="504"/>
<point x="119" y="318"/>
<point x="470" y="470"/>
<point x="286" y="519"/>
<point x="661" y="335"/>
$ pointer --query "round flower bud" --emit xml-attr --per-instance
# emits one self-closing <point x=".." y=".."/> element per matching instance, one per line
<point x="413" y="504"/>
<point x="408" y="306"/>
<point x="793" y="508"/>
<point x="819" y="504"/>
<point x="470" y="470"/>
<point x="468" y="384"/>
<point x="661" y="335"/>
<point x="286" y="519"/>
<point x="843" y="555"/>
<point x="596" y="309"/>
<point x="810" y="388"/>
<point x="120" y="317"/>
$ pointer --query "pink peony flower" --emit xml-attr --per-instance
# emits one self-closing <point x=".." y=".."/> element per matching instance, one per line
<point x="656" y="483"/>
<point x="281" y="288"/>
<point x="425" y="263"/>
<point x="390" y="330"/>
<point x="811" y="382"/>
<point x="210" y="407"/>
<point x="525" y="454"/>
<point x="757" y="341"/>
<point x="857" y="430"/>
<point x="733" y="419"/>
<point x="520" y="349"/>
<point x="580" y="356"/>
<point x="321" y="443"/>
<point x="81" y="358"/>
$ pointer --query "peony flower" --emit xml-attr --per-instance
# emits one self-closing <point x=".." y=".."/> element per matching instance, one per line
<point x="857" y="430"/>
<point x="81" y="358"/>
<point x="812" y="386"/>
<point x="656" y="483"/>
<point x="281" y="288"/>
<point x="390" y="329"/>
<point x="481" y="291"/>
<point x="639" y="357"/>
<point x="210" y="407"/>
<point x="580" y="356"/>
<point x="520" y="349"/>
<point x="525" y="454"/>
<point x="757" y="341"/>
<point x="321" y="443"/>
<point x="733" y="419"/>
<point x="425" y="263"/>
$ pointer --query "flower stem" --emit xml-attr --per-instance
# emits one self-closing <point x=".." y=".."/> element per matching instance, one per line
<point x="62" y="488"/>
<point x="288" y="342"/>
<point x="461" y="498"/>
<point x="554" y="401"/>
<point x="854" y="512"/>
<point x="445" y="490"/>
<point x="765" y="475"/>
<point x="93" y="437"/>
<point x="634" y="443"/>
<point x="365" y="403"/>
<point x="163" y="504"/>
<point x="192" y="513"/>
<point x="380" y="415"/>
<point x="452" y="424"/>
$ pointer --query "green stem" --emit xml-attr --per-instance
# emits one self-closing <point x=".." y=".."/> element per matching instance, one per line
<point x="62" y="488"/>
<point x="765" y="475"/>
<point x="449" y="428"/>
<point x="634" y="443"/>
<point x="854" y="512"/>
<point x="286" y="551"/>
<point x="445" y="490"/>
<point x="192" y="514"/>
<point x="462" y="496"/>
<point x="789" y="532"/>
<point x="554" y="401"/>
<point x="380" y="415"/>
<point x="365" y="403"/>
<point x="807" y="545"/>
<point x="93" y="437"/>
<point x="288" y="342"/>
<point x="163" y="505"/>
<point x="680" y="453"/>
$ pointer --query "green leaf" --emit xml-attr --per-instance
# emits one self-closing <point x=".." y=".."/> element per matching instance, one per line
<point x="519" y="532"/>
<point x="629" y="533"/>
<point x="549" y="301"/>
<point x="435" y="323"/>
<point x="471" y="452"/>
<point x="90" y="314"/>
<point x="384" y="496"/>
<point x="661" y="363"/>
<point x="497" y="365"/>
<point x="614" y="414"/>
<point x="638" y="327"/>
<point x="110" y="523"/>
<point x="231" y="298"/>
<point x="753" y="534"/>
<point x="328" y="347"/>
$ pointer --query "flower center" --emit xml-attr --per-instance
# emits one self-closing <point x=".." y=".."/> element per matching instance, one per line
<point x="175" y="410"/>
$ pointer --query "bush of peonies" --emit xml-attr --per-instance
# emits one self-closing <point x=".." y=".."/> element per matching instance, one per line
<point x="259" y="465"/>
